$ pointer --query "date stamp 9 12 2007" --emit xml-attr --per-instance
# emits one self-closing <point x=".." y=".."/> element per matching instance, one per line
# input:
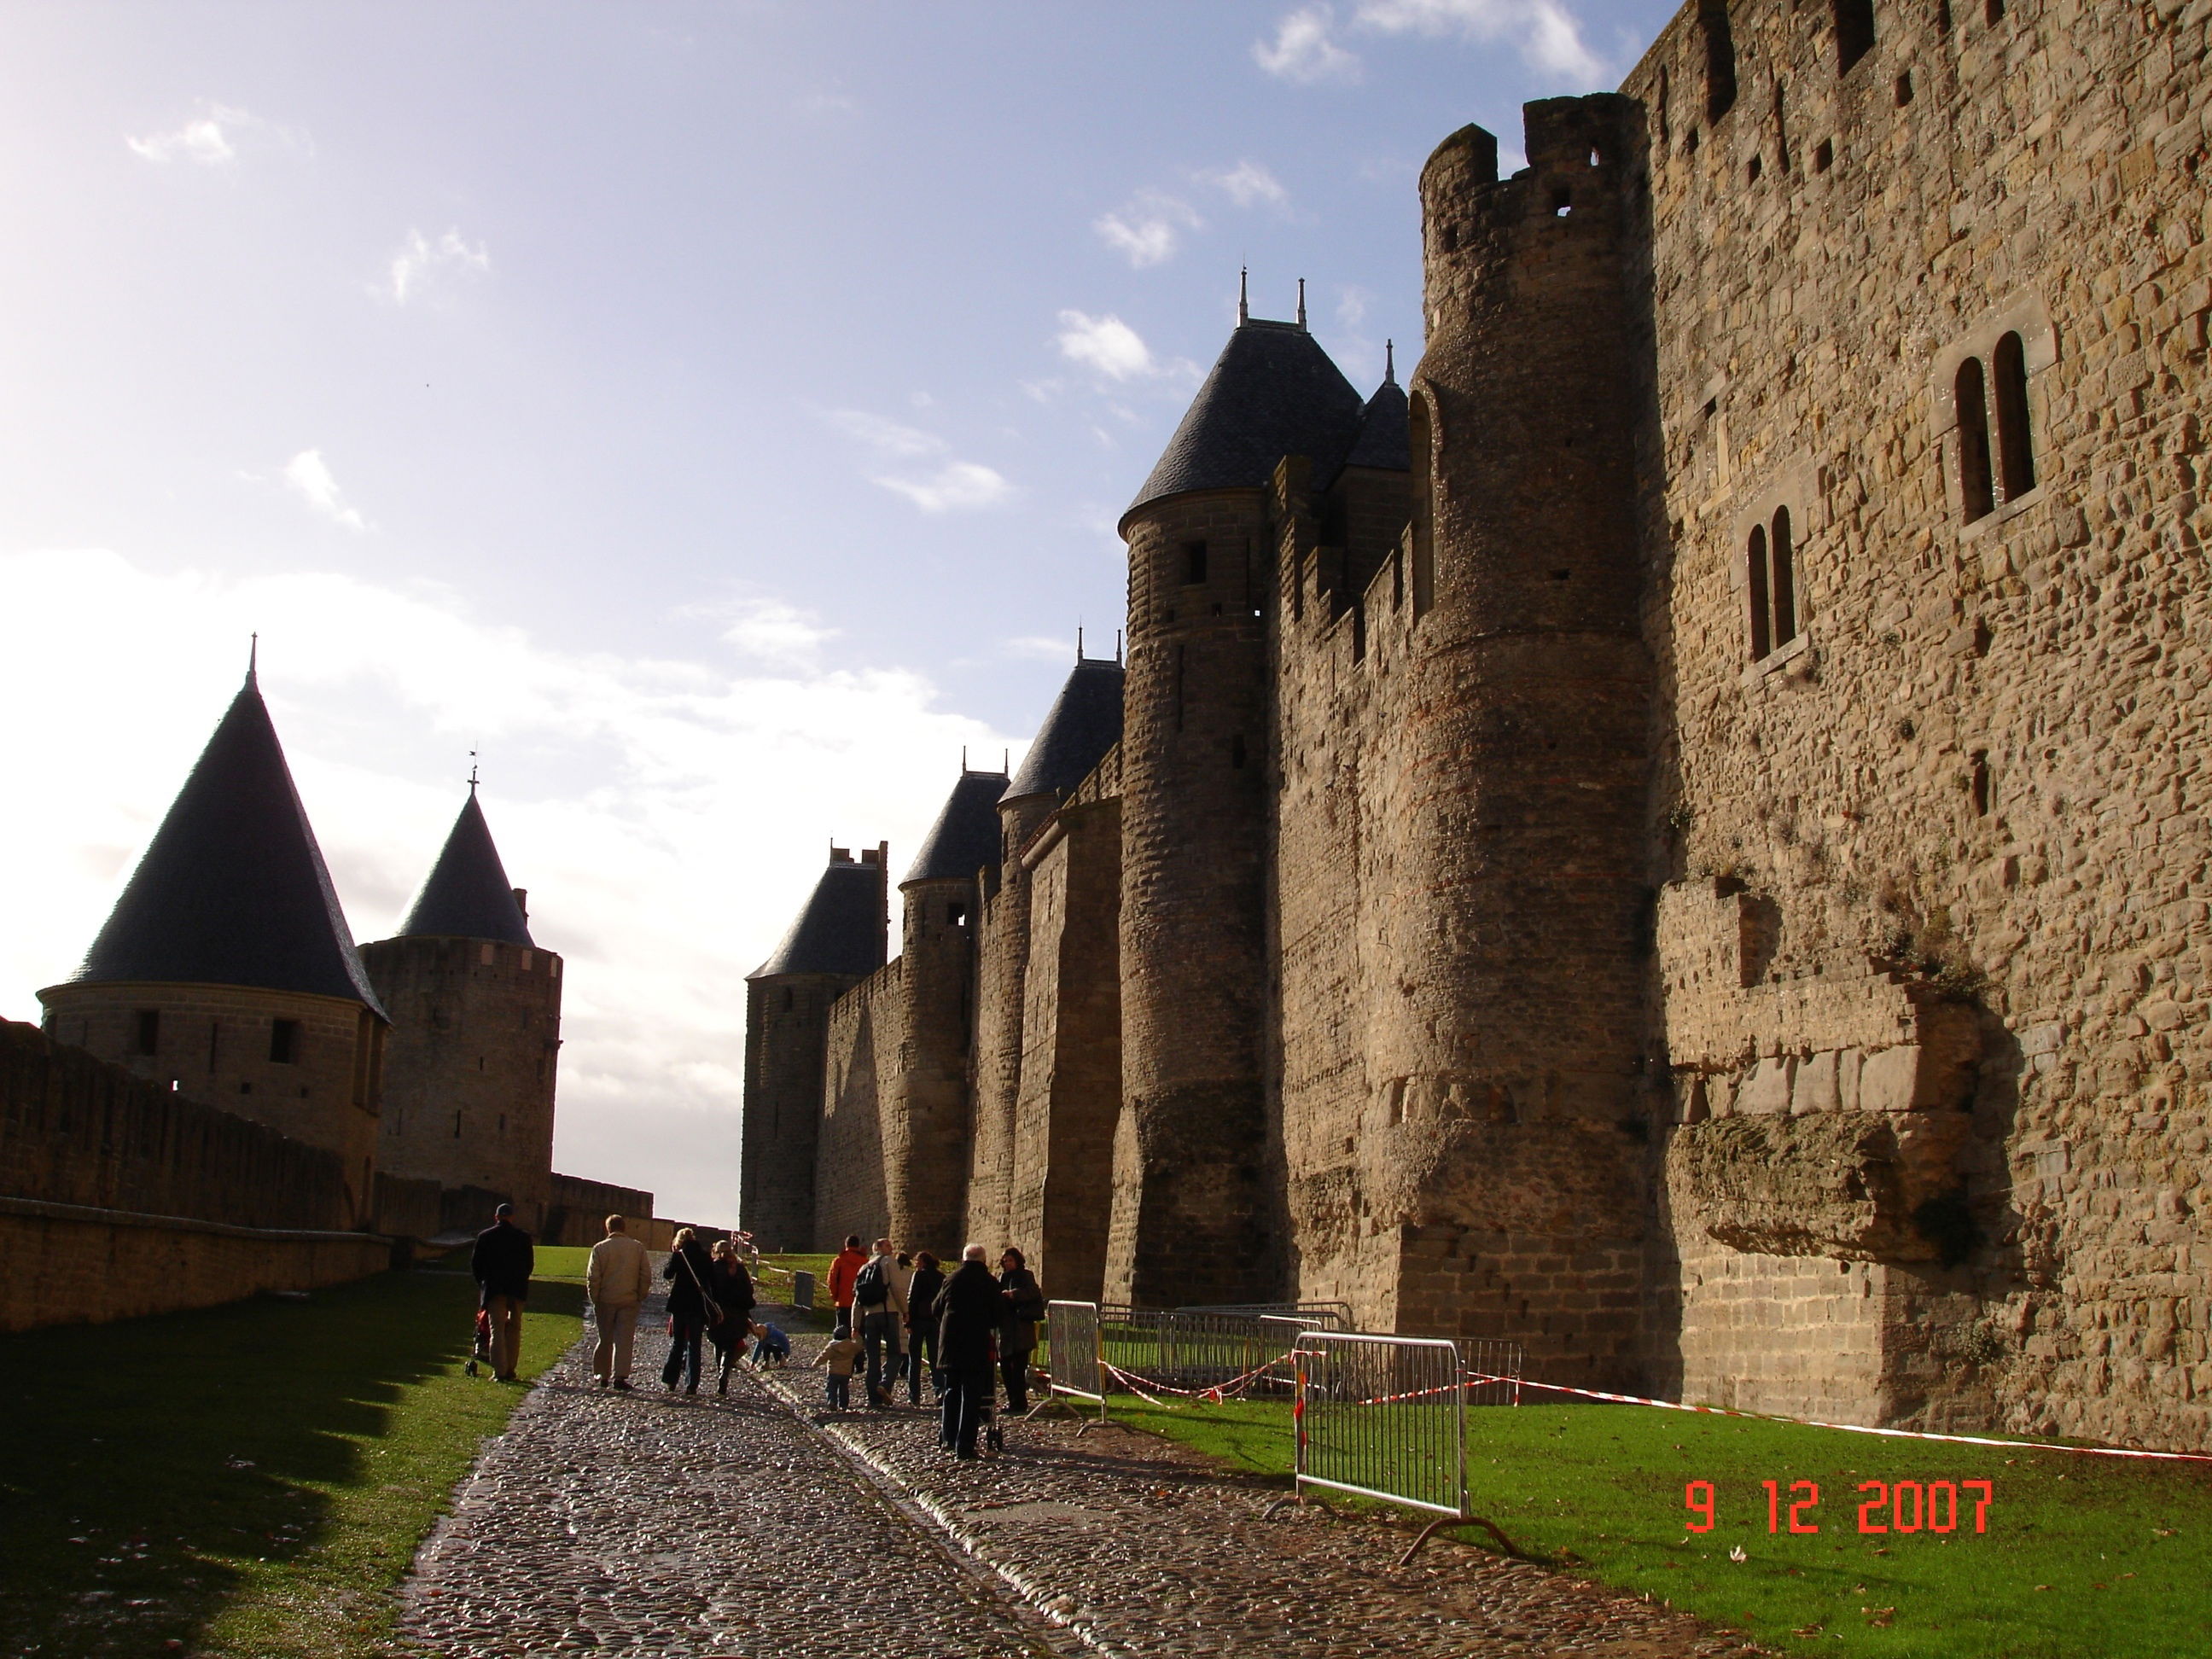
<point x="1886" y="1507"/>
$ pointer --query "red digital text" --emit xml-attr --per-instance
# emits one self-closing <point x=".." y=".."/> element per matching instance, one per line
<point x="1885" y="1507"/>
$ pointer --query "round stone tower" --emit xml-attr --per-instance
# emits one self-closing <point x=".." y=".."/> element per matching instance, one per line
<point x="1507" y="1047"/>
<point x="227" y="971"/>
<point x="1190" y="1210"/>
<point x="925" y="1129"/>
<point x="475" y="1009"/>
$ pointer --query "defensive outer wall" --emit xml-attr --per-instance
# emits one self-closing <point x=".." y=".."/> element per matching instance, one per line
<point x="1698" y="863"/>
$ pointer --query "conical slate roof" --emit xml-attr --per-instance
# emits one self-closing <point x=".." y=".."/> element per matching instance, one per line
<point x="232" y="890"/>
<point x="1084" y="723"/>
<point x="842" y="929"/>
<point x="965" y="836"/>
<point x="1272" y="392"/>
<point x="1383" y="441"/>
<point x="467" y="895"/>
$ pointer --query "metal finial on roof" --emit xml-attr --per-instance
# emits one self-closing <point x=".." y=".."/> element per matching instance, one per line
<point x="1117" y="645"/>
<point x="1302" y="302"/>
<point x="253" y="658"/>
<point x="472" y="771"/>
<point x="1078" y="641"/>
<point x="1389" y="362"/>
<point x="1243" y="295"/>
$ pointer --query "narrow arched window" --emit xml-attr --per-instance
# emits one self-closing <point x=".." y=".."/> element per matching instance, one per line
<point x="1782" y="585"/>
<point x="1419" y="441"/>
<point x="1854" y="32"/>
<point x="1720" y="57"/>
<point x="1762" y="639"/>
<point x="2015" y="443"/>
<point x="1976" y="496"/>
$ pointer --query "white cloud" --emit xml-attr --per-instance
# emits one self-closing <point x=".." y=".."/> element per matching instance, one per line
<point x="1039" y="648"/>
<point x="214" y="138"/>
<point x="954" y="486"/>
<point x="1248" y="183"/>
<point x="1549" y="36"/>
<point x="769" y="631"/>
<point x="1303" y="51"/>
<point x="1351" y="304"/>
<point x="958" y="486"/>
<point x="1149" y="229"/>
<point x="1107" y="345"/>
<point x="310" y="475"/>
<point x="626" y="792"/>
<point x="421" y="264"/>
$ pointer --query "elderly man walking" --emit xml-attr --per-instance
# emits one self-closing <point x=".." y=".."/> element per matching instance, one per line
<point x="501" y="1264"/>
<point x="968" y="1311"/>
<point x="618" y="1279"/>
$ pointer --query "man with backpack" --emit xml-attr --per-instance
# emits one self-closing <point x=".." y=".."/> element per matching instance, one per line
<point x="879" y="1299"/>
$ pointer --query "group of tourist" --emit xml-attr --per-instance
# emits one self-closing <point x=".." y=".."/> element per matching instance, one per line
<point x="900" y="1315"/>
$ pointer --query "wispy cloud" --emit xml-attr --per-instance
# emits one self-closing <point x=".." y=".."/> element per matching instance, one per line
<point x="309" y="476"/>
<point x="422" y="264"/>
<point x="1303" y="50"/>
<point x="953" y="486"/>
<point x="956" y="487"/>
<point x="1547" y="33"/>
<point x="1149" y="229"/>
<point x="1107" y="345"/>
<point x="1040" y="648"/>
<point x="213" y="137"/>
<point x="766" y="630"/>
<point x="1248" y="183"/>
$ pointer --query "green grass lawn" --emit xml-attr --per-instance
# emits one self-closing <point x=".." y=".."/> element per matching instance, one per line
<point x="248" y="1480"/>
<point x="2081" y="1555"/>
<point x="566" y="1262"/>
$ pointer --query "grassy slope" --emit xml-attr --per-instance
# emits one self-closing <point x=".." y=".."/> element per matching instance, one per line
<point x="2083" y="1555"/>
<point x="249" y="1480"/>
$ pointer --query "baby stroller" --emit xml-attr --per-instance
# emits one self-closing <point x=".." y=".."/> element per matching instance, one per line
<point x="994" y="1435"/>
<point x="481" y="1354"/>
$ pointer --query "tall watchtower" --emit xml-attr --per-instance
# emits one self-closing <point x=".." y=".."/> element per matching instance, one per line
<point x="227" y="971"/>
<point x="1515" y="1021"/>
<point x="476" y="1002"/>
<point x="836" y="942"/>
<point x="1189" y="1205"/>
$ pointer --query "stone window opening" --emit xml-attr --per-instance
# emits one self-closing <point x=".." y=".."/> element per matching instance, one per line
<point x="502" y="1125"/>
<point x="1237" y="751"/>
<point x="1194" y="564"/>
<point x="1563" y="202"/>
<point x="149" y="1031"/>
<point x="1977" y="487"/>
<point x="1659" y="107"/>
<point x="1977" y="783"/>
<point x="1720" y="57"/>
<point x="1767" y="577"/>
<point x="1854" y="32"/>
<point x="1993" y="12"/>
<point x="1942" y="16"/>
<point x="1781" y="126"/>
<point x="1451" y="239"/>
<point x="956" y="914"/>
<point x="457" y="1126"/>
<point x="787" y="999"/>
<point x="284" y="1041"/>
<point x="1905" y="90"/>
<point x="1824" y="155"/>
<point x="2015" y="444"/>
<point x="1752" y="171"/>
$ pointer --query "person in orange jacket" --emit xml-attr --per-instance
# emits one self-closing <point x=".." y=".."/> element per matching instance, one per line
<point x="843" y="1272"/>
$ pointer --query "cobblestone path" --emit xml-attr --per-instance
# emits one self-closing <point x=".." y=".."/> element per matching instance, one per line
<point x="668" y="1525"/>
<point x="655" y="1524"/>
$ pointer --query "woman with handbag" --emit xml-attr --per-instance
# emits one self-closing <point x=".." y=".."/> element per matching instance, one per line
<point x="691" y="1307"/>
<point x="729" y="1287"/>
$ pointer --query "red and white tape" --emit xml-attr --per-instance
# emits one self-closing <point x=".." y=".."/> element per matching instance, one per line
<point x="1476" y="1377"/>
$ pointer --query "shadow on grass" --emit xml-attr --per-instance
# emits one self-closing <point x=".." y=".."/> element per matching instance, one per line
<point x="169" y="1478"/>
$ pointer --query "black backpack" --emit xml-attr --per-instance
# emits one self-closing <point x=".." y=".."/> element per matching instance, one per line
<point x="872" y="1288"/>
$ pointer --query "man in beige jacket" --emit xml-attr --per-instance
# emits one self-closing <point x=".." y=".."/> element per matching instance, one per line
<point x="617" y="1281"/>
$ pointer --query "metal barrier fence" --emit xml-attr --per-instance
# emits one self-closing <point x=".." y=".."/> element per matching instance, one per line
<point x="1190" y="1351"/>
<point x="1491" y="1357"/>
<point x="1320" y="1316"/>
<point x="1385" y="1417"/>
<point x="1072" y="1352"/>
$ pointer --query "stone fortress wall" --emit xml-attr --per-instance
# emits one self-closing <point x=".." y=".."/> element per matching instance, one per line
<point x="1702" y="868"/>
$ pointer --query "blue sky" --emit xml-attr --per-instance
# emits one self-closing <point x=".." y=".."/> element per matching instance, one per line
<point x="716" y="414"/>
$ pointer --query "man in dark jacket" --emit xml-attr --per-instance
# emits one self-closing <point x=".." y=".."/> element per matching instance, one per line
<point x="501" y="1262"/>
<point x="969" y="1310"/>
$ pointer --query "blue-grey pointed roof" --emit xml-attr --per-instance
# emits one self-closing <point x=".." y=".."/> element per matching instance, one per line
<point x="965" y="836"/>
<point x="232" y="890"/>
<point x="1383" y="441"/>
<point x="840" y="931"/>
<point x="467" y="895"/>
<point x="1084" y="721"/>
<point x="1272" y="392"/>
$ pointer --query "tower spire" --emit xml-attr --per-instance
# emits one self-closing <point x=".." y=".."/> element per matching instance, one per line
<point x="1078" y="641"/>
<point x="1243" y="295"/>
<point x="473" y="774"/>
<point x="1389" y="362"/>
<point x="252" y="659"/>
<point x="1302" y="302"/>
